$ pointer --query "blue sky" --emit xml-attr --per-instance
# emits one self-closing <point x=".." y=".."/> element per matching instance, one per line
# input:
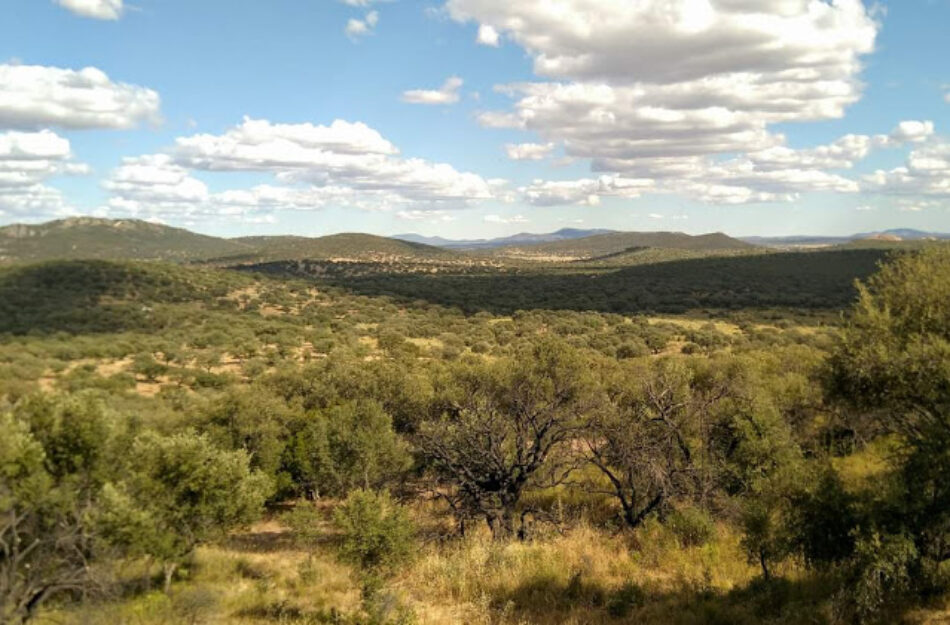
<point x="472" y="118"/>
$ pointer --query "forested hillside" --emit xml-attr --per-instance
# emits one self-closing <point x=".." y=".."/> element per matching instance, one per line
<point x="615" y="242"/>
<point x="88" y="237"/>
<point x="187" y="444"/>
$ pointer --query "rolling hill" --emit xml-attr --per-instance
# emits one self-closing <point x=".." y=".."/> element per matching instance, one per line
<point x="345" y="247"/>
<point x="522" y="238"/>
<point x="613" y="243"/>
<point x="93" y="238"/>
<point x="883" y="236"/>
<point x="88" y="238"/>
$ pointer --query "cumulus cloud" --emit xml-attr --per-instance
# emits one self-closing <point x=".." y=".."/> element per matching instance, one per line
<point x="34" y="96"/>
<point x="487" y="36"/>
<point x="585" y="191"/>
<point x="448" y="93"/>
<point x="500" y="219"/>
<point x="926" y="172"/>
<point x="96" y="9"/>
<point x="680" y="40"/>
<point x="356" y="28"/>
<point x="341" y="164"/>
<point x="343" y="153"/>
<point x="430" y="216"/>
<point x="155" y="186"/>
<point x="682" y="82"/>
<point x="27" y="160"/>
<point x="528" y="151"/>
<point x="776" y="173"/>
<point x="912" y="131"/>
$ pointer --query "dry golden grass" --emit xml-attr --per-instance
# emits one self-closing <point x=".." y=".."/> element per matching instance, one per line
<point x="583" y="576"/>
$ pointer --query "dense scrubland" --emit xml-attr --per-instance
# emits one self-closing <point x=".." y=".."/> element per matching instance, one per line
<point x="737" y="438"/>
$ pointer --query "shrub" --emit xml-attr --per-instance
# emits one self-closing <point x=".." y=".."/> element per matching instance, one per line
<point x="624" y="599"/>
<point x="691" y="526"/>
<point x="881" y="571"/>
<point x="377" y="533"/>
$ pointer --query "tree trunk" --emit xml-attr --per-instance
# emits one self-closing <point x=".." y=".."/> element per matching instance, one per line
<point x="169" y="570"/>
<point x="635" y="518"/>
<point x="502" y="523"/>
<point x="765" y="566"/>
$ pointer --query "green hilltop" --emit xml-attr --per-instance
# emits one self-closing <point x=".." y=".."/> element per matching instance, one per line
<point x="87" y="238"/>
<point x="94" y="238"/>
<point x="601" y="245"/>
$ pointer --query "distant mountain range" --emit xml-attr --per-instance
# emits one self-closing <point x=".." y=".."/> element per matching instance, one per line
<point x="522" y="238"/>
<point x="87" y="237"/>
<point x="896" y="234"/>
<point x="612" y="243"/>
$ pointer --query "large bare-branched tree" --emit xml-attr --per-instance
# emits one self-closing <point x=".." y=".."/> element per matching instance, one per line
<point x="508" y="426"/>
<point x="653" y="443"/>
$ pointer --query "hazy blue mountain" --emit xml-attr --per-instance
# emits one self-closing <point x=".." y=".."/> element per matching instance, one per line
<point x="894" y="234"/>
<point x="522" y="238"/>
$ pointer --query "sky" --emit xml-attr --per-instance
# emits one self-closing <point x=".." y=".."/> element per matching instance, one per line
<point x="478" y="118"/>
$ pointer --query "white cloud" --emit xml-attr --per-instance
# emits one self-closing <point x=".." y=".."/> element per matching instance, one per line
<point x="341" y="164"/>
<point x="642" y="87"/>
<point x="97" y="9"/>
<point x="925" y="173"/>
<point x="154" y="185"/>
<point x="359" y="28"/>
<point x="431" y="216"/>
<point x="586" y="191"/>
<point x="912" y="131"/>
<point x="27" y="160"/>
<point x="265" y="146"/>
<point x="487" y="36"/>
<point x="946" y="97"/>
<point x="499" y="219"/>
<point x="446" y="94"/>
<point x="347" y="154"/>
<point x="34" y="96"/>
<point x="864" y="208"/>
<point x="680" y="40"/>
<point x="528" y="151"/>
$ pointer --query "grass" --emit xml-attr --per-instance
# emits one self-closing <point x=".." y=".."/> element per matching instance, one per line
<point x="584" y="575"/>
<point x="579" y="576"/>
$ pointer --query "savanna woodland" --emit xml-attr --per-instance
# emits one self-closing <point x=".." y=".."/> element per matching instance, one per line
<point x="682" y="438"/>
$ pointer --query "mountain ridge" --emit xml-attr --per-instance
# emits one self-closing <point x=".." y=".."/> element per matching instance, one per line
<point x="519" y="238"/>
<point x="100" y="238"/>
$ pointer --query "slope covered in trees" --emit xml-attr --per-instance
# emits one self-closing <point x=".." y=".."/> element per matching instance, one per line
<point x="259" y="449"/>
<point x="615" y="242"/>
<point x="90" y="238"/>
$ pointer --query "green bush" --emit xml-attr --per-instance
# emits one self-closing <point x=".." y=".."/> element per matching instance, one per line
<point x="691" y="526"/>
<point x="377" y="533"/>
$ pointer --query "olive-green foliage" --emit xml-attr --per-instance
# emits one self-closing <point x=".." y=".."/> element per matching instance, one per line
<point x="319" y="389"/>
<point x="253" y="420"/>
<point x="892" y="364"/>
<point x="503" y="425"/>
<point x="348" y="446"/>
<point x="54" y="456"/>
<point x="377" y="533"/>
<point x="895" y="352"/>
<point x="813" y="280"/>
<point x="692" y="526"/>
<point x="100" y="296"/>
<point x="182" y="491"/>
